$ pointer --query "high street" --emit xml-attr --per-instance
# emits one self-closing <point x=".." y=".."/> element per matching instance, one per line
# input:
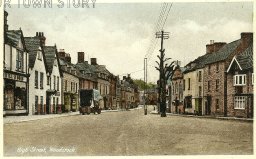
<point x="127" y="133"/>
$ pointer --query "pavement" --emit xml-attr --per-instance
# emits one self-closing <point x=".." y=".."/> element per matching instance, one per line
<point x="17" y="119"/>
<point x="207" y="116"/>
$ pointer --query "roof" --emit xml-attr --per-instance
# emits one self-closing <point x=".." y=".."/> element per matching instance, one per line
<point x="13" y="37"/>
<point x="86" y="71"/>
<point x="32" y="44"/>
<point x="50" y="56"/>
<point x="198" y="63"/>
<point x="245" y="59"/>
<point x="64" y="63"/>
<point x="223" y="53"/>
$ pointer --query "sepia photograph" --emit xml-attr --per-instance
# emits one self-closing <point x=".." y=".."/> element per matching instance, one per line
<point x="94" y="78"/>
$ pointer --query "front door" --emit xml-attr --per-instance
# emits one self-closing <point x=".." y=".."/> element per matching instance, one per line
<point x="208" y="106"/>
<point x="48" y="104"/>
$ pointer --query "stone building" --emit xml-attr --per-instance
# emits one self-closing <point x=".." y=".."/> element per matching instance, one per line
<point x="193" y="86"/>
<point x="16" y="72"/>
<point x="70" y="83"/>
<point x="215" y="75"/>
<point x="240" y="81"/>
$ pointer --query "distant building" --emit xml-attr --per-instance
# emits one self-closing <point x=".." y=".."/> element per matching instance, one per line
<point x="70" y="82"/>
<point x="177" y="91"/>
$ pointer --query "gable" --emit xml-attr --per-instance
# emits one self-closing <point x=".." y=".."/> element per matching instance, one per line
<point x="234" y="65"/>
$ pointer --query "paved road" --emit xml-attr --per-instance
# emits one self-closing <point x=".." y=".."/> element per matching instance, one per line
<point x="127" y="133"/>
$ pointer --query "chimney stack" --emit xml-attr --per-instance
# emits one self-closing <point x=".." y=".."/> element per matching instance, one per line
<point x="41" y="37"/>
<point x="67" y="58"/>
<point x="5" y="21"/>
<point x="214" y="46"/>
<point x="94" y="61"/>
<point x="247" y="38"/>
<point x="80" y="57"/>
<point x="62" y="54"/>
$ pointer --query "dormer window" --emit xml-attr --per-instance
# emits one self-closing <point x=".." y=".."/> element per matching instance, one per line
<point x="239" y="80"/>
<point x="39" y="55"/>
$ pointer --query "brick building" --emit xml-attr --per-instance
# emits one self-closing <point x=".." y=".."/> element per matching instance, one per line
<point x="240" y="80"/>
<point x="215" y="76"/>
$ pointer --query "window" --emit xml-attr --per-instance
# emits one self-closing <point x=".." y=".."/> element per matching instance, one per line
<point x="71" y="86"/>
<point x="217" y="84"/>
<point x="66" y="85"/>
<point x="239" y="102"/>
<point x="36" y="79"/>
<point x="176" y="87"/>
<point x="48" y="80"/>
<point x="41" y="80"/>
<point x="217" y="104"/>
<point x="209" y="69"/>
<point x="199" y="76"/>
<point x="217" y="67"/>
<point x="209" y="86"/>
<point x="252" y="78"/>
<point x="58" y="84"/>
<point x="54" y="82"/>
<point x="36" y="104"/>
<point x="19" y="61"/>
<point x="188" y="83"/>
<point x="184" y="82"/>
<point x="76" y="87"/>
<point x="239" y="80"/>
<point x="199" y="91"/>
<point x="39" y="55"/>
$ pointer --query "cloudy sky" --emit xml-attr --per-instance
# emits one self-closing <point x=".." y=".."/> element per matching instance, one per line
<point x="119" y="34"/>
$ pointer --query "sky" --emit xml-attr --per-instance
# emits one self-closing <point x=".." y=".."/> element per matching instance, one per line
<point x="119" y="34"/>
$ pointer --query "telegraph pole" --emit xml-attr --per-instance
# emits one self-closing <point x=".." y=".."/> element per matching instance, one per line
<point x="162" y="79"/>
<point x="145" y="82"/>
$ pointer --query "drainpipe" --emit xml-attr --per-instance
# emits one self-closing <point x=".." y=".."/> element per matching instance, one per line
<point x="225" y="93"/>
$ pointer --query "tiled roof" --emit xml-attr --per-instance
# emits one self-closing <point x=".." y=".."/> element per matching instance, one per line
<point x="64" y="63"/>
<point x="245" y="59"/>
<point x="32" y="45"/>
<point x="50" y="55"/>
<point x="223" y="53"/>
<point x="87" y="71"/>
<point x="196" y="64"/>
